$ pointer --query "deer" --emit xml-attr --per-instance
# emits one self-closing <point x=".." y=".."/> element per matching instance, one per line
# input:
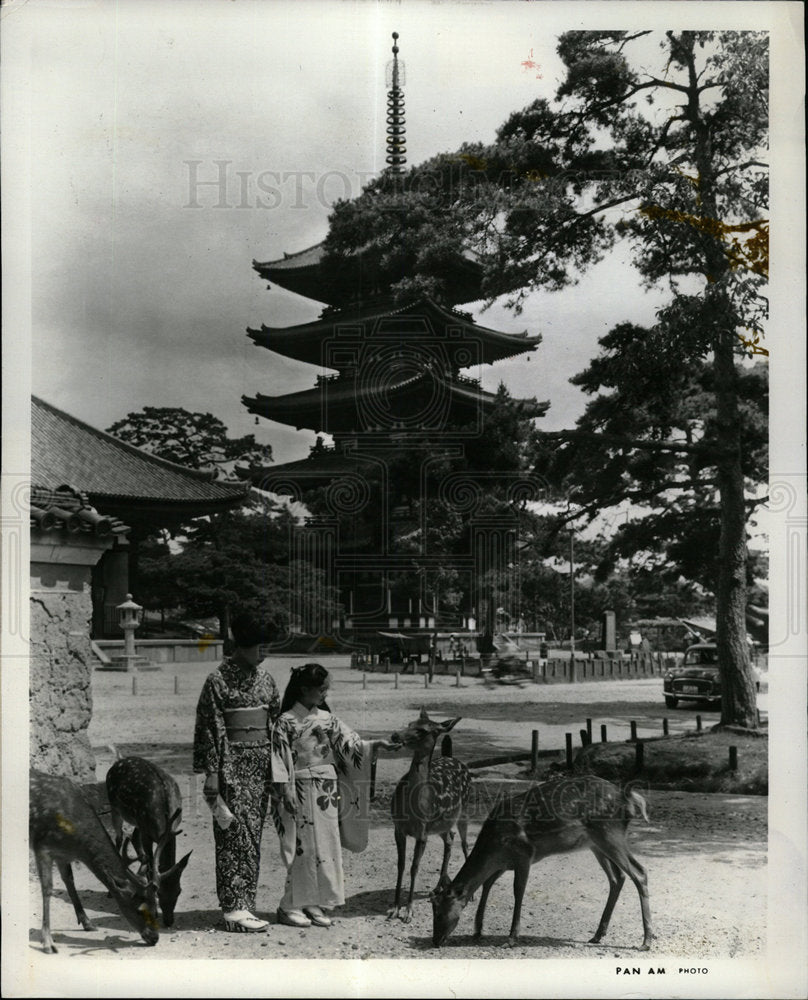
<point x="148" y="798"/>
<point x="64" y="827"/>
<point x="431" y="799"/>
<point x="554" y="817"/>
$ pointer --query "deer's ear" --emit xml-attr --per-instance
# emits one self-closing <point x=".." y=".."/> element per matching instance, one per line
<point x="179" y="867"/>
<point x="450" y="723"/>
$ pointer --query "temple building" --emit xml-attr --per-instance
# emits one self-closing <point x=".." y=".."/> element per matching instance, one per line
<point x="128" y="485"/>
<point x="393" y="396"/>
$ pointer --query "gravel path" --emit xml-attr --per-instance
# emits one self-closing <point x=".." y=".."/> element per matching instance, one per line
<point x="705" y="854"/>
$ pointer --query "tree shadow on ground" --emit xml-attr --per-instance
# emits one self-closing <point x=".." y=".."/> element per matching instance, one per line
<point x="376" y="902"/>
<point x="84" y="944"/>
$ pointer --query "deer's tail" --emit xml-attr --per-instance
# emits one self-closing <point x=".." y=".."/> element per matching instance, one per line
<point x="635" y="804"/>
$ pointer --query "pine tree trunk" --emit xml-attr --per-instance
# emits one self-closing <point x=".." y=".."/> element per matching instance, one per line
<point x="738" y="698"/>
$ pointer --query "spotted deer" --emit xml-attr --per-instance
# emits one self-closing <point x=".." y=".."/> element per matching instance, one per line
<point x="431" y="799"/>
<point x="555" y="817"/>
<point x="147" y="797"/>
<point x="63" y="827"/>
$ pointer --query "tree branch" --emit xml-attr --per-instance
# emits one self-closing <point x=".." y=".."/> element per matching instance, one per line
<point x="625" y="442"/>
<point x="741" y="166"/>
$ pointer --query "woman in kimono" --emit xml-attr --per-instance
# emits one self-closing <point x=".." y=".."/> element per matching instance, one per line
<point x="243" y="759"/>
<point x="330" y="765"/>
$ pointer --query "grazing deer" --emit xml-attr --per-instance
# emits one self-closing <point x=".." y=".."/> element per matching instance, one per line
<point x="555" y="817"/>
<point x="63" y="827"/>
<point x="144" y="795"/>
<point x="429" y="799"/>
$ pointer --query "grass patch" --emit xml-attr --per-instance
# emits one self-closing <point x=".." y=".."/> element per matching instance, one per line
<point x="694" y="762"/>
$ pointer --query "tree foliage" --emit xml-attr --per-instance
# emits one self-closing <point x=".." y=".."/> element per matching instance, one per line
<point x="655" y="139"/>
<point x="194" y="440"/>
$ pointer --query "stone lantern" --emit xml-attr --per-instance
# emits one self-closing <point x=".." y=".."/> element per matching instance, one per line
<point x="130" y="615"/>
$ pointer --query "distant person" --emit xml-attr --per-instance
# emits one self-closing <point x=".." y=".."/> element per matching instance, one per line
<point x="235" y="748"/>
<point x="331" y="772"/>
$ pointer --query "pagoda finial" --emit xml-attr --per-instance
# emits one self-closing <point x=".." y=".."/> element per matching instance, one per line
<point x="396" y="143"/>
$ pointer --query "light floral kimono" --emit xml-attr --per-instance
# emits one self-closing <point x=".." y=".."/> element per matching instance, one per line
<point x="331" y="767"/>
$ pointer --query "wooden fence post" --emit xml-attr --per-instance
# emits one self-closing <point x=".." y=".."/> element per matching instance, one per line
<point x="569" y="750"/>
<point x="639" y="758"/>
<point x="534" y="750"/>
<point x="633" y="731"/>
<point x="733" y="758"/>
<point x="698" y="723"/>
<point x="603" y="737"/>
<point x="589" y="730"/>
<point x="664" y="727"/>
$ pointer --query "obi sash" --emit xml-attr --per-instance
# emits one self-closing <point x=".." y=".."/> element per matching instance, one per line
<point x="247" y="725"/>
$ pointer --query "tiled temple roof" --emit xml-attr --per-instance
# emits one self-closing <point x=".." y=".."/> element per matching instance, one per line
<point x="67" y="450"/>
<point x="66" y="509"/>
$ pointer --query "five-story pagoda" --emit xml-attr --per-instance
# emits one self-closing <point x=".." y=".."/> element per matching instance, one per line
<point x="398" y="408"/>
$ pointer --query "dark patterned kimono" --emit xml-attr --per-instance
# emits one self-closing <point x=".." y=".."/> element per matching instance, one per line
<point x="246" y="771"/>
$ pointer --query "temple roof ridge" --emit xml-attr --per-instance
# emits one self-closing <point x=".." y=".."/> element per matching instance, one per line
<point x="66" y="449"/>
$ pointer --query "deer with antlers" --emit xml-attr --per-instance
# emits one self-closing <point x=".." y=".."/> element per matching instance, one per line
<point x="554" y="817"/>
<point x="431" y="799"/>
<point x="148" y="798"/>
<point x="63" y="827"/>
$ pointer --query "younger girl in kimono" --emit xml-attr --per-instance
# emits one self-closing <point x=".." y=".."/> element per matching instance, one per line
<point x="329" y="812"/>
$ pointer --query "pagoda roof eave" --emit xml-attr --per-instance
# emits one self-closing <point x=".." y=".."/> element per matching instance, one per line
<point x="301" y="272"/>
<point x="317" y="469"/>
<point x="303" y="342"/>
<point x="308" y="408"/>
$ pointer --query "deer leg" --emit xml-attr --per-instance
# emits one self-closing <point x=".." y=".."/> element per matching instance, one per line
<point x="401" y="849"/>
<point x="638" y="876"/>
<point x="117" y="826"/>
<point x="520" y="876"/>
<point x="622" y="858"/>
<point x="444" y="879"/>
<point x="463" y="829"/>
<point x="145" y="848"/>
<point x="480" y="914"/>
<point x="616" y="879"/>
<point x="417" y="854"/>
<point x="44" y="866"/>
<point x="66" y="872"/>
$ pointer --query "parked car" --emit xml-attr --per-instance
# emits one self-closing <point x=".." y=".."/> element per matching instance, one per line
<point x="697" y="677"/>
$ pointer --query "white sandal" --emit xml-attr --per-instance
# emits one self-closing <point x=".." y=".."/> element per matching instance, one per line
<point x="293" y="918"/>
<point x="244" y="922"/>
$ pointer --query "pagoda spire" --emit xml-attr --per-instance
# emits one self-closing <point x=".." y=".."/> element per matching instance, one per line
<point x="396" y="142"/>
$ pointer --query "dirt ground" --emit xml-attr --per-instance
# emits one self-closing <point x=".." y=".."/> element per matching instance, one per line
<point x="705" y="854"/>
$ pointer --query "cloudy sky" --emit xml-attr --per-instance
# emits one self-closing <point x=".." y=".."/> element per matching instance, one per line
<point x="142" y="284"/>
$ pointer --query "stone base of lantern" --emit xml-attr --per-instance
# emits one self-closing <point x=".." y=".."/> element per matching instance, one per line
<point x="126" y="664"/>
